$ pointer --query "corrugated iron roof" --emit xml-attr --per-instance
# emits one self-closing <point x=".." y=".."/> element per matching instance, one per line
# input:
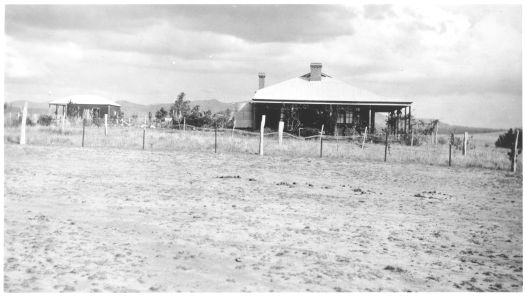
<point x="328" y="89"/>
<point x="84" y="100"/>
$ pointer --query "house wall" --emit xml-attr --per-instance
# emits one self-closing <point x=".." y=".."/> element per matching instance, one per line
<point x="103" y="109"/>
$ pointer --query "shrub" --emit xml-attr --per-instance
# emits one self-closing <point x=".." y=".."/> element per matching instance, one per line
<point x="45" y="120"/>
<point x="419" y="139"/>
<point x="29" y="122"/>
<point x="442" y="140"/>
<point x="507" y="140"/>
<point x="98" y="121"/>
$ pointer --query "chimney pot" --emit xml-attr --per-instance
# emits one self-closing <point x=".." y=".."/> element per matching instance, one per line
<point x="261" y="79"/>
<point x="315" y="71"/>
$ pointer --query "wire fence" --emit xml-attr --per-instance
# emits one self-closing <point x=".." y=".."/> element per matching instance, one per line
<point x="222" y="140"/>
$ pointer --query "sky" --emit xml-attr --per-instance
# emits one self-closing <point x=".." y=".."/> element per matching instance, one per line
<point x="459" y="64"/>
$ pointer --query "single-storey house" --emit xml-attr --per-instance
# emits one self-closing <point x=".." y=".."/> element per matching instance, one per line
<point x="315" y="99"/>
<point x="90" y="106"/>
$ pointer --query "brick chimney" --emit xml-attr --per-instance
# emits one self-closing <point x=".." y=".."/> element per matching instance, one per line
<point x="315" y="71"/>
<point x="261" y="79"/>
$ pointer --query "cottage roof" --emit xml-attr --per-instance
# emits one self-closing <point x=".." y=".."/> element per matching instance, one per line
<point x="83" y="100"/>
<point x="327" y="90"/>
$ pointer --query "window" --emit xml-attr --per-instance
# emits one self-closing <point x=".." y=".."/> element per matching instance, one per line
<point x="349" y="117"/>
<point x="341" y="119"/>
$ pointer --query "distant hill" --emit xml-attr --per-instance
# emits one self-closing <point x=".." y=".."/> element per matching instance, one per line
<point x="32" y="107"/>
<point x="443" y="128"/>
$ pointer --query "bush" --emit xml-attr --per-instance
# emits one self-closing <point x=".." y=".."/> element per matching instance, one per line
<point x="29" y="122"/>
<point x="507" y="140"/>
<point x="45" y="120"/>
<point x="419" y="139"/>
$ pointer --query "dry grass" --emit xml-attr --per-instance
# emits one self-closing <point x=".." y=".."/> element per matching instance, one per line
<point x="485" y="155"/>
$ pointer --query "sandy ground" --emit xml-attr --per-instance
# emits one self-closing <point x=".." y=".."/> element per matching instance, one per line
<point x="124" y="221"/>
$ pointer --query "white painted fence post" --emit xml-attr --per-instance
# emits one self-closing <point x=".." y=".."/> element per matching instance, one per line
<point x="23" y="125"/>
<point x="281" y="129"/>
<point x="106" y="125"/>
<point x="63" y="125"/>
<point x="261" y="139"/>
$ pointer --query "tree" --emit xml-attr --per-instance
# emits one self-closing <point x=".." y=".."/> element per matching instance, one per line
<point x="180" y="107"/>
<point x="161" y="114"/>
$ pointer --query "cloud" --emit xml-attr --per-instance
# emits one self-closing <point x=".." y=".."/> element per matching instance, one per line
<point x="432" y="55"/>
<point x="258" y="23"/>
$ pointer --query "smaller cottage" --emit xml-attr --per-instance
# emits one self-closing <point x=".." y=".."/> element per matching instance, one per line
<point x="85" y="106"/>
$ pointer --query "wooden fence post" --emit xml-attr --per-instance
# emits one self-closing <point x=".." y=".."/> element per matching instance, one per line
<point x="106" y="124"/>
<point x="63" y="126"/>
<point x="436" y="133"/>
<point x="261" y="139"/>
<point x="411" y="137"/>
<point x="515" y="152"/>
<point x="215" y="138"/>
<point x="321" y="152"/>
<point x="386" y="143"/>
<point x="143" y="138"/>
<point x="23" y="125"/>
<point x="450" y="149"/>
<point x="184" y="119"/>
<point x="322" y="130"/>
<point x="83" y="130"/>
<point x="281" y="129"/>
<point x="364" y="138"/>
<point x="465" y="140"/>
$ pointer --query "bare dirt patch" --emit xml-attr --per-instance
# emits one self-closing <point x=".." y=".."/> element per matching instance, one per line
<point x="98" y="219"/>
